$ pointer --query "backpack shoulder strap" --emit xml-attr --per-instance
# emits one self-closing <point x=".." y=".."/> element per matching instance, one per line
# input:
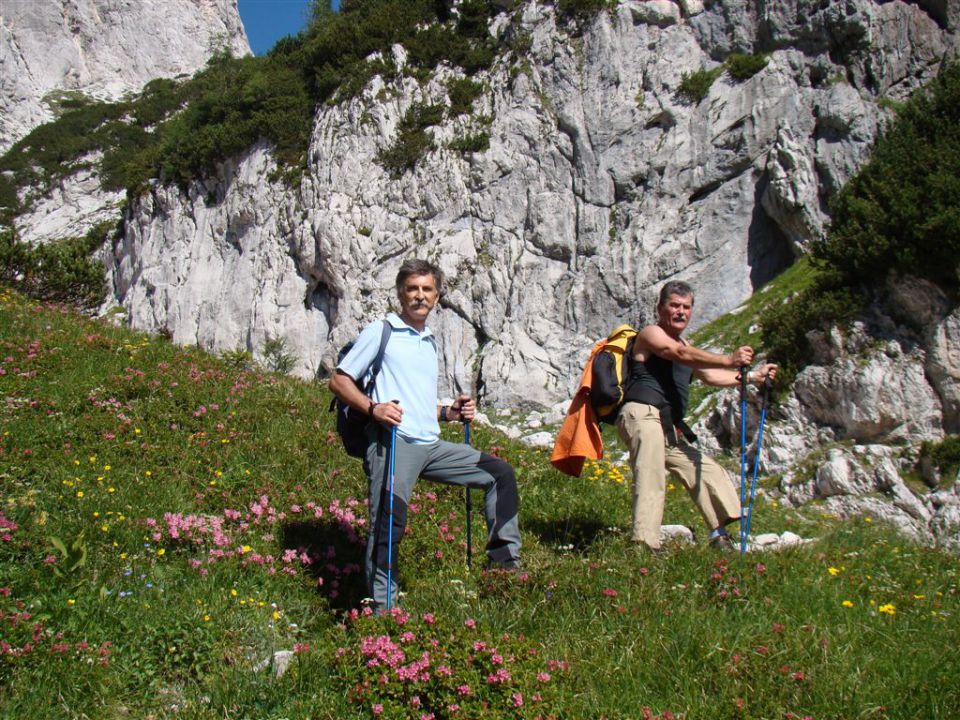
<point x="378" y="360"/>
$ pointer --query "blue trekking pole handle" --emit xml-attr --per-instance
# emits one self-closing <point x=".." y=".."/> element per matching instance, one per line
<point x="466" y="490"/>
<point x="767" y="384"/>
<point x="743" y="455"/>
<point x="393" y="457"/>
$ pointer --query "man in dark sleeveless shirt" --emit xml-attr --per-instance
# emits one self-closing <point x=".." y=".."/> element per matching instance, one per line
<point x="655" y="400"/>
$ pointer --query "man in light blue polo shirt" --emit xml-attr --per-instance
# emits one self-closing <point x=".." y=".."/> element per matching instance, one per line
<point x="405" y="396"/>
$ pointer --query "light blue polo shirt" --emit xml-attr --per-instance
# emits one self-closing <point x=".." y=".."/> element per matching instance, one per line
<point x="408" y="374"/>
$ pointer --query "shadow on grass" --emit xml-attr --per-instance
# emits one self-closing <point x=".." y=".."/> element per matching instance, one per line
<point x="579" y="531"/>
<point x="335" y="558"/>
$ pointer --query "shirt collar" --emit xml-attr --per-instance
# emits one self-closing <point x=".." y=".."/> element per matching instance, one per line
<point x="398" y="324"/>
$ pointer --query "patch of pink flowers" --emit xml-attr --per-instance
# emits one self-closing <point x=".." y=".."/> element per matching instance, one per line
<point x="397" y="663"/>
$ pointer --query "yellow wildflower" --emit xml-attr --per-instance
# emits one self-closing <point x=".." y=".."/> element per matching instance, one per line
<point x="889" y="609"/>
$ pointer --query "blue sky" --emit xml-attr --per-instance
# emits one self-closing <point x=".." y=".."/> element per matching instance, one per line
<point x="266" y="21"/>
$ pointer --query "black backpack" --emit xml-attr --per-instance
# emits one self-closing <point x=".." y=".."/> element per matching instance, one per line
<point x="611" y="361"/>
<point x="352" y="425"/>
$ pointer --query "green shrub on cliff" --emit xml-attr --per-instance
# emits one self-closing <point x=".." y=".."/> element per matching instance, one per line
<point x="899" y="214"/>
<point x="60" y="271"/>
<point x="902" y="210"/>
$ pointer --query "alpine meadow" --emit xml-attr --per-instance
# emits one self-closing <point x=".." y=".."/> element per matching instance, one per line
<point x="182" y="533"/>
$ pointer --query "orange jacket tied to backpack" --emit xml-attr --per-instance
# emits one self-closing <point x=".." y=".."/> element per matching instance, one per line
<point x="579" y="438"/>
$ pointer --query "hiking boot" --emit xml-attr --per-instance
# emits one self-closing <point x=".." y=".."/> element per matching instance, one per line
<point x="507" y="566"/>
<point x="723" y="543"/>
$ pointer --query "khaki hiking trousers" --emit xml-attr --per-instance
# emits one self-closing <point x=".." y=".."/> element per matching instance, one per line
<point x="651" y="458"/>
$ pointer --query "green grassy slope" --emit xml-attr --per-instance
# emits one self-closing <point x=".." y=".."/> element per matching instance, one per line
<point x="169" y="521"/>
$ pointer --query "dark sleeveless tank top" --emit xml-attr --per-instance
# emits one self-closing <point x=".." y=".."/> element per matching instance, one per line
<point x="660" y="383"/>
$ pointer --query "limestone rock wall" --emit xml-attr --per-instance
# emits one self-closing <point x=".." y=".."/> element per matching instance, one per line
<point x="601" y="182"/>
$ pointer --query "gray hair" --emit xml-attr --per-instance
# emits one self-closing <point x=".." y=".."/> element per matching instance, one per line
<point x="674" y="287"/>
<point x="418" y="266"/>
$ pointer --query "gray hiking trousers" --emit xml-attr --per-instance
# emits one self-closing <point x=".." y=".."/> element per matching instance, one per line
<point x="443" y="462"/>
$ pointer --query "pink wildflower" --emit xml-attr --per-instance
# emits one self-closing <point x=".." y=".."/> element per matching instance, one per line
<point x="500" y="676"/>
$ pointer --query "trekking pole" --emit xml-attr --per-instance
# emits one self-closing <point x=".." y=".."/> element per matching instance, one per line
<point x="743" y="454"/>
<point x="466" y="489"/>
<point x="393" y="457"/>
<point x="767" y="386"/>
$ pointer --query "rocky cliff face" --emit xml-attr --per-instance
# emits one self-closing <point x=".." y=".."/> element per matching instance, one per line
<point x="102" y="49"/>
<point x="600" y="182"/>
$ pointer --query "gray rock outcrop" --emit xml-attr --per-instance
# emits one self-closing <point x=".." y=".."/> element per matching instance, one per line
<point x="849" y="433"/>
<point x="103" y="49"/>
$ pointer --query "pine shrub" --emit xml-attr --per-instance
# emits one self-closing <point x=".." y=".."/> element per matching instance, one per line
<point x="59" y="271"/>
<point x="743" y="67"/>
<point x="696" y="85"/>
<point x="902" y="210"/>
<point x="900" y="213"/>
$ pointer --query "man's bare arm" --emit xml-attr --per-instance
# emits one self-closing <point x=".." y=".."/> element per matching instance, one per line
<point x="731" y="378"/>
<point x="653" y="340"/>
